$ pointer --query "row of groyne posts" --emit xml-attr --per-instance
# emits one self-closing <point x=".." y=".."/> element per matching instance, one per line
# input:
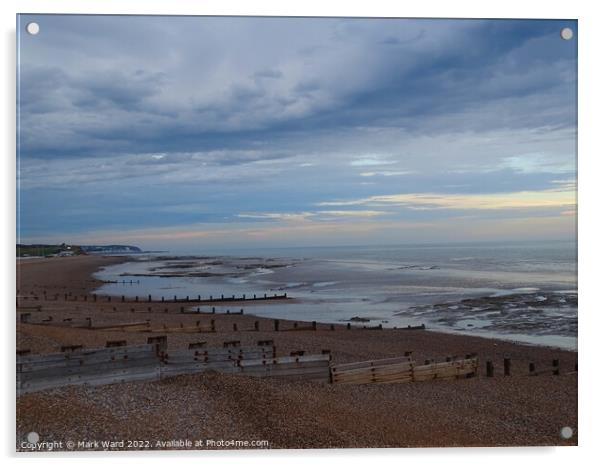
<point x="145" y="326"/>
<point x="149" y="298"/>
<point x="507" y="366"/>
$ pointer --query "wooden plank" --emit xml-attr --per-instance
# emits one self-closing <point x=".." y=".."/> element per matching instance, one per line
<point x="371" y="363"/>
<point x="217" y="358"/>
<point x="123" y="375"/>
<point x="84" y="360"/>
<point x="376" y="369"/>
<point x="274" y="368"/>
<point x="229" y="351"/>
<point x="88" y="369"/>
<point x="120" y="326"/>
<point x="368" y="376"/>
<point x="287" y="359"/>
<point x="85" y="352"/>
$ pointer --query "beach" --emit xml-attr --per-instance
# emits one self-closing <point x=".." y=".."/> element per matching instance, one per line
<point x="482" y="411"/>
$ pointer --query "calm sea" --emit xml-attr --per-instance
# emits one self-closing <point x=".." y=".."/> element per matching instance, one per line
<point x="519" y="291"/>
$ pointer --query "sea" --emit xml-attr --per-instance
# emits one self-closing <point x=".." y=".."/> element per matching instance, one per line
<point x="519" y="291"/>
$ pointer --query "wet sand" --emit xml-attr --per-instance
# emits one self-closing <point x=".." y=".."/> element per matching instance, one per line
<point x="481" y="411"/>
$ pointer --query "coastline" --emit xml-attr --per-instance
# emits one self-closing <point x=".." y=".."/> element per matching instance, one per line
<point x="516" y="410"/>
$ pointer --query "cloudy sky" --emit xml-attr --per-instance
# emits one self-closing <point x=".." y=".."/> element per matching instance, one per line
<point x="191" y="132"/>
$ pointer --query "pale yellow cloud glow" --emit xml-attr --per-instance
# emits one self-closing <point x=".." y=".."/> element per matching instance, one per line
<point x="493" y="201"/>
<point x="301" y="216"/>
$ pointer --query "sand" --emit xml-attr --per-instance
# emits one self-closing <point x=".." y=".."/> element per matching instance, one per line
<point x="481" y="411"/>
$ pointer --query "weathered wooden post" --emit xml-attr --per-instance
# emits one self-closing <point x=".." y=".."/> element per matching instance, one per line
<point x="531" y="368"/>
<point x="242" y="311"/>
<point x="332" y="327"/>
<point x="489" y="366"/>
<point x="276" y="325"/>
<point x="213" y="310"/>
<point x="506" y="366"/>
<point x="235" y="327"/>
<point x="136" y="298"/>
<point x="89" y="321"/>
<point x="295" y="325"/>
<point x="187" y="299"/>
<point x="222" y="297"/>
<point x="160" y="343"/>
<point x="108" y="298"/>
<point x="257" y="326"/>
<point x="162" y="299"/>
<point x="198" y="297"/>
<point x="212" y="325"/>
<point x="150" y="298"/>
<point x="244" y="296"/>
<point x="122" y="298"/>
<point x="348" y="326"/>
<point x="314" y="325"/>
<point x="556" y="366"/>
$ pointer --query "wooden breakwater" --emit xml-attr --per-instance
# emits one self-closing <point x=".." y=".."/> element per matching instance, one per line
<point x="402" y="370"/>
<point x="199" y="299"/>
<point x="118" y="362"/>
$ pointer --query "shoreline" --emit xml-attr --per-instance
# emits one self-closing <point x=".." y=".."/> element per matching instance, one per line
<point x="237" y="406"/>
<point x="509" y="333"/>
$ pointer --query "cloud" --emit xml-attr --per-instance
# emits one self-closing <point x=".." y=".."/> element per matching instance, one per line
<point x="295" y="217"/>
<point x="492" y="201"/>
<point x="371" y="160"/>
<point x="386" y="173"/>
<point x="317" y="215"/>
<point x="154" y="122"/>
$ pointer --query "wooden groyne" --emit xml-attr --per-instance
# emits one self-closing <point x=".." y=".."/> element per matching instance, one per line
<point x="149" y="298"/>
<point x="402" y="370"/>
<point x="118" y="363"/>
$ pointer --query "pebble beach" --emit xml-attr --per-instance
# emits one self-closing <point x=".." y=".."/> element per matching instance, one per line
<point x="219" y="410"/>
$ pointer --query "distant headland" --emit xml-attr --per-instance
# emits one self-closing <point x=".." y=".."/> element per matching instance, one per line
<point x="54" y="250"/>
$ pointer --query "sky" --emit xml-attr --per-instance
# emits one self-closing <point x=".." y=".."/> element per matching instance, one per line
<point x="199" y="133"/>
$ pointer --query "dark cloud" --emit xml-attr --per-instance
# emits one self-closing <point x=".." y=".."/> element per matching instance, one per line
<point x="129" y="116"/>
